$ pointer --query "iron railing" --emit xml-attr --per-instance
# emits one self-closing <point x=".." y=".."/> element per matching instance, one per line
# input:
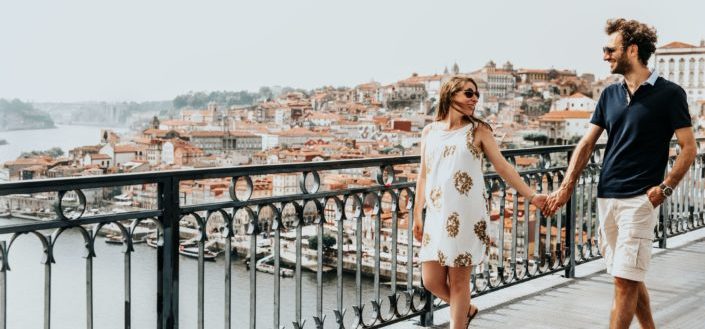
<point x="371" y="225"/>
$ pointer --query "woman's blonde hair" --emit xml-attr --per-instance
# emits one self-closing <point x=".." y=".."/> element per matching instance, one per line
<point x="448" y="90"/>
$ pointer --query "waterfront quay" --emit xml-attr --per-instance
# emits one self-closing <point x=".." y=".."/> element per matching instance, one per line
<point x="365" y="276"/>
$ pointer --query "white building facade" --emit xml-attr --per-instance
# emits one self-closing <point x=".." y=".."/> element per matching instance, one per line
<point x="684" y="64"/>
<point x="575" y="102"/>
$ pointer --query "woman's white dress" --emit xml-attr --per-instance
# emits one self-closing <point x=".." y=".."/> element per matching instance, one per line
<point x="455" y="229"/>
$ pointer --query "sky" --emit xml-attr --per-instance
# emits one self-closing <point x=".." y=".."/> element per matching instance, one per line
<point x="135" y="50"/>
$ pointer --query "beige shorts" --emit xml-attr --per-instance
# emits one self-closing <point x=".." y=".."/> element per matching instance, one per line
<point x="626" y="235"/>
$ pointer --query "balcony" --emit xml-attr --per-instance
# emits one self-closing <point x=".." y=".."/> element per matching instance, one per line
<point x="366" y="278"/>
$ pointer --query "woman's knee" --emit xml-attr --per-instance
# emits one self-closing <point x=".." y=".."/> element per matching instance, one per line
<point x="435" y="286"/>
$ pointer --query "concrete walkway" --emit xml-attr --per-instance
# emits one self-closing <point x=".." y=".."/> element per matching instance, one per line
<point x="676" y="283"/>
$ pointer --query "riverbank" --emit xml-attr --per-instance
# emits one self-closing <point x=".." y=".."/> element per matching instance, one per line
<point x="65" y="137"/>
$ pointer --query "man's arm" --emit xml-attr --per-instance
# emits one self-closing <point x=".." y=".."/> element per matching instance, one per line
<point x="578" y="161"/>
<point x="686" y="140"/>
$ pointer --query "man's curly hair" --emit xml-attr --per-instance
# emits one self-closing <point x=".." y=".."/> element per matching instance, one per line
<point x="634" y="33"/>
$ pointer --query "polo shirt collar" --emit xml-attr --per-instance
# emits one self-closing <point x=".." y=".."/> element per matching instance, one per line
<point x="650" y="81"/>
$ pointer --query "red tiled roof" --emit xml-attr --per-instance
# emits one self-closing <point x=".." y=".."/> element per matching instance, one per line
<point x="677" y="44"/>
<point x="577" y="95"/>
<point x="127" y="148"/>
<point x="369" y="86"/>
<point x="562" y="115"/>
<point x="100" y="156"/>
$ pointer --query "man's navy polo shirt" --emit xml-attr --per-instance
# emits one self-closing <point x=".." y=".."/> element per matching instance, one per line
<point x="639" y="131"/>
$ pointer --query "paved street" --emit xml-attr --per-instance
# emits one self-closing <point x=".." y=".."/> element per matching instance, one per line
<point x="675" y="283"/>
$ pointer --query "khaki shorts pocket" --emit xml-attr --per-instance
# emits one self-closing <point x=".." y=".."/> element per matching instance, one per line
<point x="634" y="249"/>
<point x="643" y="259"/>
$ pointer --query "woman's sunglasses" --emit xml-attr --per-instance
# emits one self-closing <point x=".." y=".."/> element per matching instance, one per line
<point x="469" y="93"/>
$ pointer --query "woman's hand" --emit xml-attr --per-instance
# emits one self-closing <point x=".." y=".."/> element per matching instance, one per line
<point x="539" y="200"/>
<point x="418" y="228"/>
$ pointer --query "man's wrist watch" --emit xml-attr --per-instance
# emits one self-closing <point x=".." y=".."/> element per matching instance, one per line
<point x="666" y="190"/>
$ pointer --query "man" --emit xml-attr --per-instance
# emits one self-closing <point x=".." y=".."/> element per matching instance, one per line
<point x="640" y="116"/>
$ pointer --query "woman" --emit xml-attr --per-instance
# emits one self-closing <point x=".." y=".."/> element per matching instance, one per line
<point x="454" y="236"/>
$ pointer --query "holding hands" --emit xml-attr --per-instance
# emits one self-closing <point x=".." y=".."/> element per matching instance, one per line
<point x="539" y="200"/>
<point x="556" y="200"/>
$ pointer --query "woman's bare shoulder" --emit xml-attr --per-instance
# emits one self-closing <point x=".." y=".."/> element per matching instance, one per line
<point x="427" y="129"/>
<point x="482" y="130"/>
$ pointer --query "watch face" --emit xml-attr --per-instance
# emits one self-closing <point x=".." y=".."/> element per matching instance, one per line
<point x="668" y="191"/>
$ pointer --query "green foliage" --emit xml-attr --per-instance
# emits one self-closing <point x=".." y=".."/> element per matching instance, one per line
<point x="16" y="114"/>
<point x="201" y="99"/>
<point x="224" y="98"/>
<point x="328" y="241"/>
<point x="536" y="137"/>
<point x="53" y="152"/>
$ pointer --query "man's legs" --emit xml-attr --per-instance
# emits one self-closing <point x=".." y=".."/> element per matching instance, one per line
<point x="635" y="218"/>
<point x="643" y="308"/>
<point x="630" y="298"/>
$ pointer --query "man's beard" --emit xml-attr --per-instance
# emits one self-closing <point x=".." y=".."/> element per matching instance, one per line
<point x="622" y="65"/>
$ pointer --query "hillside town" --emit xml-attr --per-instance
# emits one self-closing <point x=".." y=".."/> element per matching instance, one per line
<point x="526" y="106"/>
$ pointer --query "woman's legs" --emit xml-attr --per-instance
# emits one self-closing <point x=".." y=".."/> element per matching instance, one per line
<point x="459" y="287"/>
<point x="450" y="284"/>
<point x="435" y="279"/>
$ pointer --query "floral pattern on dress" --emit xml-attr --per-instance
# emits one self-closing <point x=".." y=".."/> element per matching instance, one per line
<point x="464" y="259"/>
<point x="463" y="182"/>
<point x="448" y="150"/>
<point x="481" y="233"/>
<point x="441" y="258"/>
<point x="436" y="195"/>
<point x="453" y="224"/>
<point x="470" y="143"/>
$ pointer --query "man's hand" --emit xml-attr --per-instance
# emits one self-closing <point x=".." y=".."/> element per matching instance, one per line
<point x="539" y="200"/>
<point x="556" y="200"/>
<point x="418" y="228"/>
<point x="655" y="196"/>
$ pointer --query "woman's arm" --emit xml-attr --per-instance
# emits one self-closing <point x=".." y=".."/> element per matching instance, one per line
<point x="503" y="168"/>
<point x="420" y="195"/>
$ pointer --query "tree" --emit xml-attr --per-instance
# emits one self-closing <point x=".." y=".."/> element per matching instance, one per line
<point x="328" y="242"/>
<point x="266" y="93"/>
<point x="536" y="137"/>
<point x="53" y="152"/>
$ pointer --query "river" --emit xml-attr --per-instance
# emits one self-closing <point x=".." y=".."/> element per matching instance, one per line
<point x="64" y="136"/>
<point x="26" y="277"/>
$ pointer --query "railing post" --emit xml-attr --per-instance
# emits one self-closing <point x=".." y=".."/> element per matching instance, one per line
<point x="168" y="255"/>
<point x="663" y="226"/>
<point x="426" y="319"/>
<point x="3" y="285"/>
<point x="570" y="230"/>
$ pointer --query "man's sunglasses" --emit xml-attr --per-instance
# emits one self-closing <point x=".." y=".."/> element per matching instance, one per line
<point x="469" y="93"/>
<point x="608" y="50"/>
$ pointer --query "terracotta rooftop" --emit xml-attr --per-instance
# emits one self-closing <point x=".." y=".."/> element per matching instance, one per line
<point x="578" y="95"/>
<point x="127" y="148"/>
<point x="562" y="115"/>
<point x="677" y="44"/>
<point x="100" y="156"/>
